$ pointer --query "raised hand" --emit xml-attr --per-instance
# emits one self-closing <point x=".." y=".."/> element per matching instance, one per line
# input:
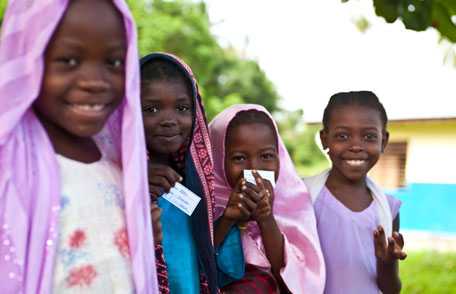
<point x="241" y="204"/>
<point x="387" y="252"/>
<point x="161" y="179"/>
<point x="266" y="196"/>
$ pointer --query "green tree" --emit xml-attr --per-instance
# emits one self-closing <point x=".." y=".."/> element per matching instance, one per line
<point x="419" y="15"/>
<point x="183" y="28"/>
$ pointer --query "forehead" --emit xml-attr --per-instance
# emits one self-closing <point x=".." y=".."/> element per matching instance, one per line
<point x="251" y="135"/>
<point x="165" y="89"/>
<point x="92" y="21"/>
<point x="354" y="116"/>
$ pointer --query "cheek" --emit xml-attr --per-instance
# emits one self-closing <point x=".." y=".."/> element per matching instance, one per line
<point x="186" y="125"/>
<point x="233" y="173"/>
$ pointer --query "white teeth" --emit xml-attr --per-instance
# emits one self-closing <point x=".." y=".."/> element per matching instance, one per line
<point x="355" y="162"/>
<point x="89" y="107"/>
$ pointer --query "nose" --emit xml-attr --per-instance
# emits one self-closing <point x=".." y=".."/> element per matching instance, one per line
<point x="93" y="79"/>
<point x="167" y="119"/>
<point x="356" y="145"/>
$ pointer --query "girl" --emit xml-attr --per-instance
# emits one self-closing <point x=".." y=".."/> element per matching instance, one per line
<point x="353" y="215"/>
<point x="179" y="151"/>
<point x="74" y="209"/>
<point x="278" y="230"/>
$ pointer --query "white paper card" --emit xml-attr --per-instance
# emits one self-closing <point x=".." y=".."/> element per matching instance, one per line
<point x="181" y="197"/>
<point x="265" y="174"/>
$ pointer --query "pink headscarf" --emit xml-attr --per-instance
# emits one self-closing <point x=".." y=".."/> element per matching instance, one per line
<point x="29" y="173"/>
<point x="304" y="270"/>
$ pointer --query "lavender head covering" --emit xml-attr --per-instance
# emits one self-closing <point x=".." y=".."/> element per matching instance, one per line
<point x="29" y="174"/>
<point x="304" y="270"/>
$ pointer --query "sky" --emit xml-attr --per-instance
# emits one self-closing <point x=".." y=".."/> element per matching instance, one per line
<point x="312" y="49"/>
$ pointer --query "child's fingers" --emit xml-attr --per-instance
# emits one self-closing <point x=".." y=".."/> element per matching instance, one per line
<point x="251" y="193"/>
<point x="399" y="239"/>
<point x="252" y="187"/>
<point x="247" y="203"/>
<point x="160" y="170"/>
<point x="154" y="192"/>
<point x="244" y="211"/>
<point x="258" y="179"/>
<point x="161" y="182"/>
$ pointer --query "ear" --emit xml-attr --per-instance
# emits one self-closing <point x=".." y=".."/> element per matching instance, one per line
<point x="385" y="139"/>
<point x="324" y="139"/>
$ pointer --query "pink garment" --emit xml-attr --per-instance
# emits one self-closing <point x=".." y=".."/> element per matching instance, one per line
<point x="29" y="174"/>
<point x="348" y="245"/>
<point x="304" y="270"/>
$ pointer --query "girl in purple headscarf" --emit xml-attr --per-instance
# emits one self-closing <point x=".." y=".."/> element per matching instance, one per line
<point x="74" y="208"/>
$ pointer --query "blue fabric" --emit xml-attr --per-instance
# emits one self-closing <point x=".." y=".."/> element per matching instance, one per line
<point x="230" y="258"/>
<point x="179" y="249"/>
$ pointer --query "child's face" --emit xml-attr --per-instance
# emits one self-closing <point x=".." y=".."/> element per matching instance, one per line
<point x="250" y="146"/>
<point x="355" y="138"/>
<point x="83" y="81"/>
<point x="167" y="112"/>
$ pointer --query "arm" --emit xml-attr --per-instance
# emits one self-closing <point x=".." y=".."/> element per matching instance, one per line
<point x="273" y="244"/>
<point x="270" y="233"/>
<point x="387" y="259"/>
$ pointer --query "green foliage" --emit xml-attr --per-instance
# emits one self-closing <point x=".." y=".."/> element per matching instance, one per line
<point x="183" y="28"/>
<point x="299" y="139"/>
<point x="419" y="15"/>
<point x="429" y="273"/>
<point x="2" y="10"/>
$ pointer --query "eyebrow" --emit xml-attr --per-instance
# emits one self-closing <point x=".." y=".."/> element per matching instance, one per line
<point x="114" y="45"/>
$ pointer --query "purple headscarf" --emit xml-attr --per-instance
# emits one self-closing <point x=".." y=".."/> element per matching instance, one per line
<point x="29" y="173"/>
<point x="304" y="270"/>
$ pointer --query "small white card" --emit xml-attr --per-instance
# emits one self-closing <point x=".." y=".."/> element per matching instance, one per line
<point x="181" y="197"/>
<point x="265" y="174"/>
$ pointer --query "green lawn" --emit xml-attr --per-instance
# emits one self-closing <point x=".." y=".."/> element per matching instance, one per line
<point x="429" y="273"/>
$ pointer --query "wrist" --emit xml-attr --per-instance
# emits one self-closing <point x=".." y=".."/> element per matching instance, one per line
<point x="266" y="221"/>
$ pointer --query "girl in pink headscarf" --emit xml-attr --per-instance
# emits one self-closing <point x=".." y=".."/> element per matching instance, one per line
<point x="74" y="208"/>
<point x="278" y="235"/>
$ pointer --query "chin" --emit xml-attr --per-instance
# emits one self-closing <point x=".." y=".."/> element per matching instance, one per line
<point x="86" y="132"/>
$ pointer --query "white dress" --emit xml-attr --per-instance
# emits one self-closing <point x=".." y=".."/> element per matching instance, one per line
<point x="92" y="252"/>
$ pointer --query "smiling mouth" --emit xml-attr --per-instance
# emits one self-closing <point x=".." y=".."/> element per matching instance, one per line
<point x="355" y="162"/>
<point x="89" y="109"/>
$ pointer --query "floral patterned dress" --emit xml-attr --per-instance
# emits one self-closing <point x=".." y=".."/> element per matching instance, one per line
<point x="92" y="251"/>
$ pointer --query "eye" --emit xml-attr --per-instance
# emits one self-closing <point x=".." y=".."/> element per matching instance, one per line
<point x="116" y="62"/>
<point x="268" y="156"/>
<point x="238" y="158"/>
<point x="183" y="108"/>
<point x="150" y="109"/>
<point x="371" y="137"/>
<point x="68" y="61"/>
<point x="341" y="136"/>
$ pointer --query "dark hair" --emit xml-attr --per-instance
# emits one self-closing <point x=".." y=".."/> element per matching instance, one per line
<point x="251" y="117"/>
<point x="361" y="98"/>
<point x="164" y="70"/>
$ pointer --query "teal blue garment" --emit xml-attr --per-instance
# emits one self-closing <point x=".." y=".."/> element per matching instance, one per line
<point x="230" y="258"/>
<point x="179" y="250"/>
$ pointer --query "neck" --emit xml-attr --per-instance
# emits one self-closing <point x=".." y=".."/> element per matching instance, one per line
<point x="160" y="158"/>
<point x="337" y="181"/>
<point x="82" y="149"/>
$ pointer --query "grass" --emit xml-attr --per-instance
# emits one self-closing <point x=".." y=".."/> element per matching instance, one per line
<point x="429" y="273"/>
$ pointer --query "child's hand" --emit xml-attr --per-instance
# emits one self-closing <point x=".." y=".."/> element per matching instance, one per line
<point x="387" y="253"/>
<point x="161" y="179"/>
<point x="240" y="205"/>
<point x="155" y="212"/>
<point x="266" y="194"/>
